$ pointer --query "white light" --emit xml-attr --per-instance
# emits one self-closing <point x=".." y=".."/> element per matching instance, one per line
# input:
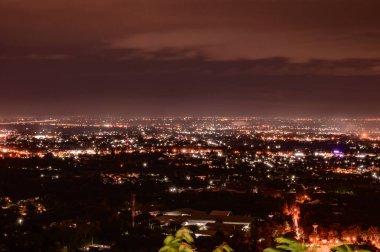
<point x="173" y="189"/>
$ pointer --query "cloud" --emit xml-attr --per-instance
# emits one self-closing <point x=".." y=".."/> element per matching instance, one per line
<point x="222" y="56"/>
<point x="48" y="56"/>
<point x="188" y="62"/>
<point x="219" y="30"/>
<point x="273" y="86"/>
<point x="39" y="57"/>
<point x="238" y="43"/>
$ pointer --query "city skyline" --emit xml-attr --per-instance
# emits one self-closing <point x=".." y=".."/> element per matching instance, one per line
<point x="190" y="125"/>
<point x="100" y="184"/>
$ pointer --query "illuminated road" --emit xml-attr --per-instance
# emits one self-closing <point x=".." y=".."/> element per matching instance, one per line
<point x="26" y="122"/>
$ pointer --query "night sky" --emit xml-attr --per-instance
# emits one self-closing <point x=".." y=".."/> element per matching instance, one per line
<point x="190" y="57"/>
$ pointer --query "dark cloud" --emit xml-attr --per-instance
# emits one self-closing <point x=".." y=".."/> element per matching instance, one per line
<point x="266" y="57"/>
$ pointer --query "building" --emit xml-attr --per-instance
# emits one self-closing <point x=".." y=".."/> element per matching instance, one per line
<point x="207" y="224"/>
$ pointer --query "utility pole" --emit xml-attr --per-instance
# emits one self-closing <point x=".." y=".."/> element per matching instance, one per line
<point x="133" y="209"/>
